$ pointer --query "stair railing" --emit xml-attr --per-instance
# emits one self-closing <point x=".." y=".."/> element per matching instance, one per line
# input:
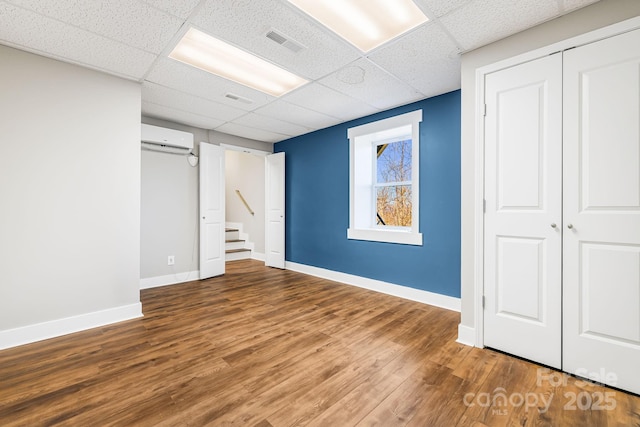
<point x="245" y="202"/>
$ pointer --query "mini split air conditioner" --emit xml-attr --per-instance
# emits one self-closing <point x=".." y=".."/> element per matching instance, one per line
<point x="155" y="138"/>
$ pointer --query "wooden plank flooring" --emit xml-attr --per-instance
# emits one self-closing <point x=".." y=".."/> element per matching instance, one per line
<point x="269" y="348"/>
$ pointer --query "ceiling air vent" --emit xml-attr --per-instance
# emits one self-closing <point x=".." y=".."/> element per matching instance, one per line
<point x="238" y="98"/>
<point x="285" y="41"/>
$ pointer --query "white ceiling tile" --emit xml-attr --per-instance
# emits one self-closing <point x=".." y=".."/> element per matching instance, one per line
<point x="364" y="81"/>
<point x="431" y="71"/>
<point x="131" y="22"/>
<point x="484" y="21"/>
<point x="570" y="5"/>
<point x="181" y="9"/>
<point x="270" y="124"/>
<point x="246" y="22"/>
<point x="27" y="30"/>
<point x="185" y="78"/>
<point x="441" y="7"/>
<point x="123" y="37"/>
<point x="320" y="98"/>
<point x="251" y="133"/>
<point x="295" y="114"/>
<point x="167" y="113"/>
<point x="172" y="98"/>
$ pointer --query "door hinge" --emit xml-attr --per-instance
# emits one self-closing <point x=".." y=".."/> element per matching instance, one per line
<point x="484" y="205"/>
<point x="483" y="301"/>
<point x="484" y="113"/>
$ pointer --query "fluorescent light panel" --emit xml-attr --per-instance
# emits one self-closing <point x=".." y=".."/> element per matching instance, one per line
<point x="207" y="53"/>
<point x="366" y="24"/>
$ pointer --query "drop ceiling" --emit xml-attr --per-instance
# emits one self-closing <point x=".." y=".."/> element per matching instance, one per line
<point x="133" y="38"/>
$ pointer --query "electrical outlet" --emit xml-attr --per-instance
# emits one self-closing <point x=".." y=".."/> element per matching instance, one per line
<point x="171" y="260"/>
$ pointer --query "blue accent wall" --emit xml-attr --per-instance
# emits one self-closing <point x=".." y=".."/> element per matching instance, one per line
<point x="317" y="203"/>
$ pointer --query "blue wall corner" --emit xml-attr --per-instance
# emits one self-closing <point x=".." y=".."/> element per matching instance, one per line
<point x="317" y="203"/>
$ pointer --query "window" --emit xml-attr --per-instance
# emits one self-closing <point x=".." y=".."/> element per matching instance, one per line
<point x="383" y="197"/>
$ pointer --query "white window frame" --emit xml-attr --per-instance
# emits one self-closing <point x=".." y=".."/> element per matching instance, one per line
<point x="363" y="141"/>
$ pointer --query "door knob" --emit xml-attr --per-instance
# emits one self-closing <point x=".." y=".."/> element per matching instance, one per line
<point x="569" y="226"/>
<point x="553" y="225"/>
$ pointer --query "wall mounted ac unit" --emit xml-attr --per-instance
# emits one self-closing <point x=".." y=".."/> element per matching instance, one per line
<point x="155" y="138"/>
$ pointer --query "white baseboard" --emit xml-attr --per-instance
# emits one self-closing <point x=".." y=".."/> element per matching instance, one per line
<point x="55" y="328"/>
<point x="258" y="256"/>
<point x="169" y="279"/>
<point x="466" y="335"/>
<point x="425" y="297"/>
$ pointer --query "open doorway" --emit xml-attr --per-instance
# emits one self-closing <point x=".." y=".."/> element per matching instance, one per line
<point x="245" y="202"/>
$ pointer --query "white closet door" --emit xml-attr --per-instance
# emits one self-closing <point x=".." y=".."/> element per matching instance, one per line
<point x="523" y="242"/>
<point x="275" y="205"/>
<point x="602" y="211"/>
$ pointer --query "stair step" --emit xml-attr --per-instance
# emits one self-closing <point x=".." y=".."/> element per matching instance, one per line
<point x="231" y="244"/>
<point x="236" y="244"/>
<point x="232" y="234"/>
<point x="237" y="254"/>
<point x="235" y="251"/>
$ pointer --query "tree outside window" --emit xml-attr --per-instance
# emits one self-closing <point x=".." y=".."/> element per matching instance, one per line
<point x="393" y="184"/>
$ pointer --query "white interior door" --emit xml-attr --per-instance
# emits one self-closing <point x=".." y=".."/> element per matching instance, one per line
<point x="523" y="242"/>
<point x="602" y="211"/>
<point x="274" y="198"/>
<point x="212" y="210"/>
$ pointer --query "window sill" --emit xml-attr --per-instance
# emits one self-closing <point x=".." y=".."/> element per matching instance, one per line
<point x="387" y="236"/>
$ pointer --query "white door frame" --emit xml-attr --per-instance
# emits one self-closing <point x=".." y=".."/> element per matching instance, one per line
<point x="253" y="151"/>
<point x="592" y="36"/>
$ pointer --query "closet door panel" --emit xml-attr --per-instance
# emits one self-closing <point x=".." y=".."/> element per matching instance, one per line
<point x="523" y="160"/>
<point x="601" y="248"/>
<point x="608" y="120"/>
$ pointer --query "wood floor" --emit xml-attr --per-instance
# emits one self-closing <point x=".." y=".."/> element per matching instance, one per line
<point x="265" y="347"/>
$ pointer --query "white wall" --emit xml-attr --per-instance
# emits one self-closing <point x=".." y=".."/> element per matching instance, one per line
<point x="598" y="15"/>
<point x="169" y="211"/>
<point x="169" y="207"/>
<point x="245" y="172"/>
<point x="169" y="215"/>
<point x="70" y="192"/>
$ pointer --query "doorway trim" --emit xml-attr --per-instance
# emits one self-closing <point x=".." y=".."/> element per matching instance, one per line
<point x="246" y="150"/>
<point x="467" y="334"/>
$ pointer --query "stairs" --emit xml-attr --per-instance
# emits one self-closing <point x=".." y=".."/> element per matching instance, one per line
<point x="236" y="245"/>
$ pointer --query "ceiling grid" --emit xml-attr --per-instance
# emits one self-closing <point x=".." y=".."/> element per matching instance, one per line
<point x="133" y="38"/>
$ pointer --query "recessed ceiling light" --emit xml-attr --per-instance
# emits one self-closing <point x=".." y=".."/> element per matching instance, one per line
<point x="366" y="24"/>
<point x="207" y="53"/>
